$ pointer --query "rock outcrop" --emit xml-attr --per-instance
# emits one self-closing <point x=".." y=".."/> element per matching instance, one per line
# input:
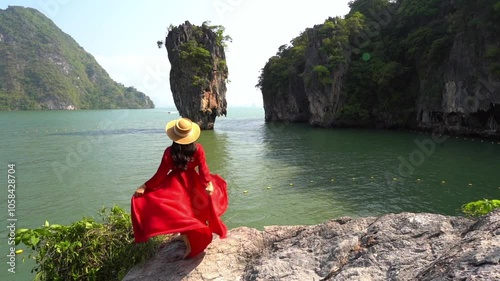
<point x="470" y="93"/>
<point x="198" y="72"/>
<point x="324" y="99"/>
<point x="307" y="94"/>
<point x="431" y="66"/>
<point x="405" y="246"/>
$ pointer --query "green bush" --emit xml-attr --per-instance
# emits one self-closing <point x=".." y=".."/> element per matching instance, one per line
<point x="480" y="207"/>
<point x="86" y="249"/>
<point x="196" y="55"/>
<point x="323" y="74"/>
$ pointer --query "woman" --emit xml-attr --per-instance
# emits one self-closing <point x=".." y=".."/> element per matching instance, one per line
<point x="180" y="198"/>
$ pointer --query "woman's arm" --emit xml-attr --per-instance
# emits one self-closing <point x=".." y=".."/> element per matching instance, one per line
<point x="204" y="171"/>
<point x="140" y="190"/>
<point x="159" y="176"/>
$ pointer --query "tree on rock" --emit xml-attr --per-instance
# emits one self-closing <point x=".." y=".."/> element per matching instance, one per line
<point x="199" y="72"/>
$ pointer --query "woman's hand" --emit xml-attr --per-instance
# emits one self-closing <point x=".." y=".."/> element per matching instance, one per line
<point x="210" y="188"/>
<point x="140" y="190"/>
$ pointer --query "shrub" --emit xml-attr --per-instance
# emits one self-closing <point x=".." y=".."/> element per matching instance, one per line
<point x="323" y="74"/>
<point x="86" y="249"/>
<point x="480" y="207"/>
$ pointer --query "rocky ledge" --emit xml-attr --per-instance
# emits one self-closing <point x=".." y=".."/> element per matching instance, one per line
<point x="405" y="246"/>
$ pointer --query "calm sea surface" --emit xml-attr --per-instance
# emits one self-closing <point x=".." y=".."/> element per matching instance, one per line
<point x="69" y="164"/>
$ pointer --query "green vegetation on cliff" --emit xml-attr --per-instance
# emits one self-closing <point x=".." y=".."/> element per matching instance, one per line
<point x="197" y="57"/>
<point x="88" y="249"/>
<point x="480" y="207"/>
<point x="388" y="53"/>
<point x="41" y="67"/>
<point x="199" y="71"/>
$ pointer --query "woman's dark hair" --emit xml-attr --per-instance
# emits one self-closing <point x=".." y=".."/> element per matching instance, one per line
<point x="182" y="154"/>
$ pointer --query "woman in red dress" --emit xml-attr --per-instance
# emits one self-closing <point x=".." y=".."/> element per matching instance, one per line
<point x="182" y="197"/>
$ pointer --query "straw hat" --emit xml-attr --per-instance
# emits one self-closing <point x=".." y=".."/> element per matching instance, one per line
<point x="183" y="131"/>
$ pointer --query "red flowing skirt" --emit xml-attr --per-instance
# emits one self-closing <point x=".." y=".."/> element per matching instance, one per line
<point x="181" y="205"/>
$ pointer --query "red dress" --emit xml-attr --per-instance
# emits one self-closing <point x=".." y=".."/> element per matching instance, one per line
<point x="175" y="201"/>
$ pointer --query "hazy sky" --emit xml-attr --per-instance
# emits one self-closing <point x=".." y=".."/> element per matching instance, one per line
<point x="122" y="35"/>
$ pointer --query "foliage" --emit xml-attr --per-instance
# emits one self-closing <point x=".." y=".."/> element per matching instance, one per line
<point x="39" y="65"/>
<point x="289" y="62"/>
<point x="199" y="63"/>
<point x="386" y="47"/>
<point x="480" y="207"/>
<point x="419" y="9"/>
<point x="199" y="82"/>
<point x="368" y="7"/>
<point x="354" y="111"/>
<point x="438" y="49"/>
<point x="196" y="54"/>
<point x="323" y="74"/>
<point x="493" y="57"/>
<point x="390" y="53"/>
<point x="222" y="65"/>
<point x="197" y="58"/>
<point x="87" y="249"/>
<point x="221" y="38"/>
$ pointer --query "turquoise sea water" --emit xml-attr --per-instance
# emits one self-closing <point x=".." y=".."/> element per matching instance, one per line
<point x="69" y="164"/>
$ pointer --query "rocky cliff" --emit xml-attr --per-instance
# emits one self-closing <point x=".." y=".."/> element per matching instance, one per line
<point x="431" y="65"/>
<point x="198" y="72"/>
<point x="41" y="67"/>
<point x="405" y="246"/>
<point x="468" y="77"/>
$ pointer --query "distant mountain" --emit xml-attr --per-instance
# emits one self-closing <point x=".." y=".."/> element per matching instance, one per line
<point x="41" y="67"/>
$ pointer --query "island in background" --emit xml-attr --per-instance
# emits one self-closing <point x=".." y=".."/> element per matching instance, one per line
<point x="41" y="67"/>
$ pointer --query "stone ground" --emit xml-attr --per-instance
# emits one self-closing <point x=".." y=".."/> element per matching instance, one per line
<point x="406" y="246"/>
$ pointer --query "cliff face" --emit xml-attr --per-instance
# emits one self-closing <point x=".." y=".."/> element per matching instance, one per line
<point x="198" y="72"/>
<point x="287" y="105"/>
<point x="470" y="88"/>
<point x="41" y="67"/>
<point x="432" y="65"/>
<point x="324" y="91"/>
<point x="404" y="246"/>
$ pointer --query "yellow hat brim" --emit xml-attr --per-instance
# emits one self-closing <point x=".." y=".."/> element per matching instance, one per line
<point x="192" y="137"/>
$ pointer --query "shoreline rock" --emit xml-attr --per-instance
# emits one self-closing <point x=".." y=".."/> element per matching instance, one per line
<point x="405" y="246"/>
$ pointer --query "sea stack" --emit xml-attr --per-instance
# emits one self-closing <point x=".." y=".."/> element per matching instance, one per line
<point x="198" y="72"/>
